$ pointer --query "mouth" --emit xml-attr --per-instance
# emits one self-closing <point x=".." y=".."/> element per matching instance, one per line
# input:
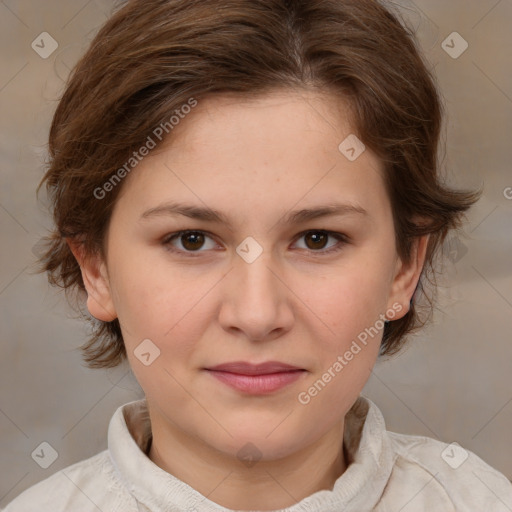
<point x="256" y="379"/>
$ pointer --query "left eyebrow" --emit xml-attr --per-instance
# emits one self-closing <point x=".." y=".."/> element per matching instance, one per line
<point x="211" y="215"/>
<point x="322" y="211"/>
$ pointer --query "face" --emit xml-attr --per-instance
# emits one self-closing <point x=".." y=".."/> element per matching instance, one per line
<point x="260" y="284"/>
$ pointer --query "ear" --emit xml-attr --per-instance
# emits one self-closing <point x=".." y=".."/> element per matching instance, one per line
<point x="407" y="276"/>
<point x="94" y="275"/>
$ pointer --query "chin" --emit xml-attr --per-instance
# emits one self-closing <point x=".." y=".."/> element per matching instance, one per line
<point x="250" y="450"/>
<point x="262" y="440"/>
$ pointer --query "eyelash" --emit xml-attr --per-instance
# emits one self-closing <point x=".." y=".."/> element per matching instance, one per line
<point x="342" y="240"/>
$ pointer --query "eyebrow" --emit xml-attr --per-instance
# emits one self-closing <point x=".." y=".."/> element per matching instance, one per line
<point x="211" y="215"/>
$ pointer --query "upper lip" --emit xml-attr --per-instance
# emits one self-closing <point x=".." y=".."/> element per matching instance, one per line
<point x="244" y="368"/>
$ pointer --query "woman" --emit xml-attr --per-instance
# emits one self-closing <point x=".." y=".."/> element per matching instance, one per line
<point x="248" y="194"/>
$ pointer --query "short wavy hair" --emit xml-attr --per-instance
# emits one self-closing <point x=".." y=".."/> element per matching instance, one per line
<point x="152" y="56"/>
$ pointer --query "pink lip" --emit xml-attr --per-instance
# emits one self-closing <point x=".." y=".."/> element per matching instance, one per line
<point x="256" y="379"/>
<point x="243" y="368"/>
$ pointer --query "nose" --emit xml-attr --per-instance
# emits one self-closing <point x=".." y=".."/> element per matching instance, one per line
<point x="257" y="301"/>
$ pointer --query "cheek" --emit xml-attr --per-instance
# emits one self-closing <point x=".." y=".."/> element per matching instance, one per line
<point x="144" y="299"/>
<point x="168" y="316"/>
<point x="349" y="299"/>
<point x="349" y="303"/>
<point x="163" y="303"/>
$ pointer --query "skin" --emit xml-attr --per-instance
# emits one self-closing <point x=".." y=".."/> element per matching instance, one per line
<point x="255" y="161"/>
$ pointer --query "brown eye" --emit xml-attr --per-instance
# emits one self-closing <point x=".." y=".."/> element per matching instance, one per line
<point x="192" y="241"/>
<point x="316" y="239"/>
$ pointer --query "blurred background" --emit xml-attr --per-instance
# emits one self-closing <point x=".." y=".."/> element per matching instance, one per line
<point x="453" y="382"/>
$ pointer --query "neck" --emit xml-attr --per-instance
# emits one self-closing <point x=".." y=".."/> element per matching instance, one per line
<point x="263" y="485"/>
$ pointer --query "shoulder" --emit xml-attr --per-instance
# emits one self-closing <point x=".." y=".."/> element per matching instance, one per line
<point x="448" y="474"/>
<point x="86" y="486"/>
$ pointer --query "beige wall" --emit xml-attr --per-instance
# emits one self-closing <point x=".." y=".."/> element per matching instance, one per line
<point x="454" y="382"/>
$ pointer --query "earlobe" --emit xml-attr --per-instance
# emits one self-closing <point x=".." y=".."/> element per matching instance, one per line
<point x="94" y="275"/>
<point x="407" y="276"/>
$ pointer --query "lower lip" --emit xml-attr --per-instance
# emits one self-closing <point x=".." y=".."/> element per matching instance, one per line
<point x="258" y="384"/>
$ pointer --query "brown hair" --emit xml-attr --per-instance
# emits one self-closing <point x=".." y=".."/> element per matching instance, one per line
<point x="151" y="57"/>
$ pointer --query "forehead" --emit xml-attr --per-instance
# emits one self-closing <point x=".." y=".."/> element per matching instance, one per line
<point x="255" y="154"/>
<point x="285" y="113"/>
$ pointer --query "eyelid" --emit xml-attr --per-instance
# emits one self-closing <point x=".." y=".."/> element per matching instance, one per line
<point x="341" y="237"/>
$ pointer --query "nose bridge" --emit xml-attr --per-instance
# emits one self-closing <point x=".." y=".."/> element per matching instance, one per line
<point x="254" y="274"/>
<point x="256" y="303"/>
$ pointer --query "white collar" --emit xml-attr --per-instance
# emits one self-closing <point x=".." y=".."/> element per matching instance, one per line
<point x="358" y="488"/>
